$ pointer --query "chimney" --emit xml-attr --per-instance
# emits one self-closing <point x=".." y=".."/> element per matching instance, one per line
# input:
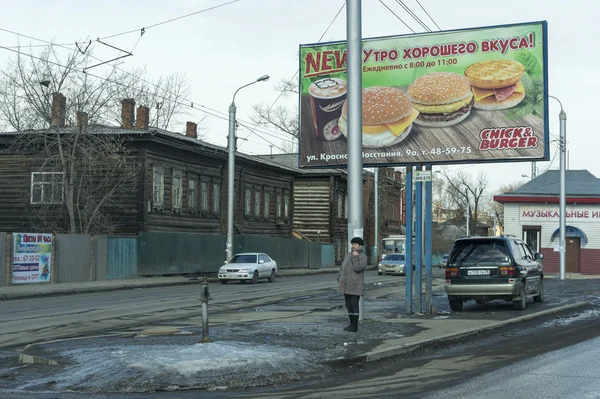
<point x="142" y="119"/>
<point x="127" y="111"/>
<point x="82" y="119"/>
<point x="397" y="175"/>
<point x="191" y="130"/>
<point x="59" y="104"/>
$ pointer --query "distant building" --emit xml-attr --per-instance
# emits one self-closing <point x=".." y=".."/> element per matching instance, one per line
<point x="532" y="212"/>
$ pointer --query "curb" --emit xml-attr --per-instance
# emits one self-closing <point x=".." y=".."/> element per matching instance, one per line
<point x="402" y="349"/>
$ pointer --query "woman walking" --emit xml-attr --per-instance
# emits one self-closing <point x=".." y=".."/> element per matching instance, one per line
<point x="351" y="280"/>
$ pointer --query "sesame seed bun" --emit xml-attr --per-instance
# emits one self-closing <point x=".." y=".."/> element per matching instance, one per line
<point x="439" y="88"/>
<point x="377" y="140"/>
<point x="382" y="104"/>
<point x="490" y="103"/>
<point x="495" y="74"/>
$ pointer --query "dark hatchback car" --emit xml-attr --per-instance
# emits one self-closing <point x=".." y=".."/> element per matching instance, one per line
<point x="488" y="268"/>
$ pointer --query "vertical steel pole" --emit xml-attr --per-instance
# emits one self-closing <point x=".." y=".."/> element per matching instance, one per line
<point x="419" y="243"/>
<point x="563" y="200"/>
<point x="230" y="182"/>
<point x="409" y="233"/>
<point x="376" y="212"/>
<point x="355" y="179"/>
<point x="428" y="245"/>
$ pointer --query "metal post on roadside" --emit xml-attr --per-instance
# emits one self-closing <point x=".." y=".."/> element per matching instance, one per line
<point x="354" y="103"/>
<point x="204" y="297"/>
<point x="409" y="233"/>
<point x="428" y="244"/>
<point x="419" y="242"/>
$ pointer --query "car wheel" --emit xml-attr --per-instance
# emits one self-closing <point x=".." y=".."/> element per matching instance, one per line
<point x="540" y="294"/>
<point x="521" y="303"/>
<point x="456" y="304"/>
<point x="254" y="277"/>
<point x="272" y="276"/>
<point x="380" y="273"/>
<point x="223" y="281"/>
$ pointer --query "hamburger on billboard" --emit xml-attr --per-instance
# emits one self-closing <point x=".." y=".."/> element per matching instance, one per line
<point x="473" y="95"/>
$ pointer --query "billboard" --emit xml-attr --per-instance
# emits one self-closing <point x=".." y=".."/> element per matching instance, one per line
<point x="32" y="258"/>
<point x="473" y="95"/>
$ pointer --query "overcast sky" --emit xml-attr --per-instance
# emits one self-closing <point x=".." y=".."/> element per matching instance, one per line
<point x="224" y="48"/>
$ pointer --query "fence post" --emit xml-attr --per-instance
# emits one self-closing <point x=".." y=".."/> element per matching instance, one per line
<point x="53" y="260"/>
<point x="92" y="268"/>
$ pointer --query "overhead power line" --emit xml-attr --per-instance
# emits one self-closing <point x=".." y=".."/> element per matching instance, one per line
<point x="412" y="14"/>
<point x="396" y="15"/>
<point x="170" y="20"/>
<point x="432" y="20"/>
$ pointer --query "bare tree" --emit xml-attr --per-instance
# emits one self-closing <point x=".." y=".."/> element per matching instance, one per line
<point x="496" y="208"/>
<point x="280" y="117"/>
<point x="83" y="172"/>
<point x="466" y="194"/>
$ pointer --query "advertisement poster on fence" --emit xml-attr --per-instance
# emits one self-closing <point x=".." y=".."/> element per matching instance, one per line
<point x="32" y="258"/>
<point x="464" y="96"/>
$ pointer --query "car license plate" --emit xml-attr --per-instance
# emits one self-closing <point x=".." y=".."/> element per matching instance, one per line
<point x="478" y="272"/>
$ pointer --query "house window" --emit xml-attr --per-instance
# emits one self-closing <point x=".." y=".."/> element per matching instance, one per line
<point x="286" y="205"/>
<point x="204" y="196"/>
<point x="216" y="197"/>
<point x="257" y="203"/>
<point x="46" y="187"/>
<point x="531" y="236"/>
<point x="278" y="208"/>
<point x="248" y="201"/>
<point x="158" y="187"/>
<point x="339" y="206"/>
<point x="177" y="190"/>
<point x="346" y="207"/>
<point x="192" y="194"/>
<point x="266" y="205"/>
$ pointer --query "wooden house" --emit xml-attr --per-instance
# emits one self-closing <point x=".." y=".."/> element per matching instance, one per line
<point x="181" y="185"/>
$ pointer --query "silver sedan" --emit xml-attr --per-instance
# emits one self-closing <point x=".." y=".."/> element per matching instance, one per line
<point x="250" y="267"/>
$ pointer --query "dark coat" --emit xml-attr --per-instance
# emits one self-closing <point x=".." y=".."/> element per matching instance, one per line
<point x="351" y="278"/>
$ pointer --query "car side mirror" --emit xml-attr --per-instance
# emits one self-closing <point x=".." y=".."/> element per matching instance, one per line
<point x="261" y="261"/>
<point x="539" y="256"/>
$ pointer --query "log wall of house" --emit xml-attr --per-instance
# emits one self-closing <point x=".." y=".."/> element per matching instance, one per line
<point x="15" y="180"/>
<point x="212" y="169"/>
<point x="312" y="208"/>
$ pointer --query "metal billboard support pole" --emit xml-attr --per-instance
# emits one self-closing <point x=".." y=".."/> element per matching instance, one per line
<point x="355" y="178"/>
<point x="409" y="242"/>
<point x="419" y="243"/>
<point x="376" y="211"/>
<point x="428" y="244"/>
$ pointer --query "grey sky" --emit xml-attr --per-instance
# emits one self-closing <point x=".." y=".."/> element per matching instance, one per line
<point x="222" y="49"/>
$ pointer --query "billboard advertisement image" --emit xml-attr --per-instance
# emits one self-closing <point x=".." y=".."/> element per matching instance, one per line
<point x="465" y="96"/>
<point x="32" y="258"/>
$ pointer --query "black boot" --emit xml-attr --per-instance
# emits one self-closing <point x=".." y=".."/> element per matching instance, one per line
<point x="353" y="327"/>
<point x="349" y="325"/>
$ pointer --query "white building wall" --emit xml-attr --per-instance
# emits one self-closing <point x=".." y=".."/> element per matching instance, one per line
<point x="585" y="217"/>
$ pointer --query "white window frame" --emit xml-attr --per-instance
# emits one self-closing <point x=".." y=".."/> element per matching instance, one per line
<point x="257" y="203"/>
<point x="266" y="205"/>
<point x="278" y="209"/>
<point x="216" y="197"/>
<point x="192" y="193"/>
<point x="286" y="205"/>
<point x="204" y="196"/>
<point x="39" y="185"/>
<point x="158" y="188"/>
<point x="177" y="190"/>
<point x="346" y="207"/>
<point x="248" y="202"/>
<point x="339" y="206"/>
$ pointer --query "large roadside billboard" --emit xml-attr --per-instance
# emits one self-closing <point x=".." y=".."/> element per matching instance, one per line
<point x="473" y="95"/>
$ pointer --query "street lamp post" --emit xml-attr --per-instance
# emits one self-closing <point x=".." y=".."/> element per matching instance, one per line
<point x="562" y="200"/>
<point x="231" y="169"/>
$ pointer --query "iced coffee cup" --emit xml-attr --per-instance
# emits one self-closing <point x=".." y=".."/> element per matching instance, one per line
<point x="326" y="98"/>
